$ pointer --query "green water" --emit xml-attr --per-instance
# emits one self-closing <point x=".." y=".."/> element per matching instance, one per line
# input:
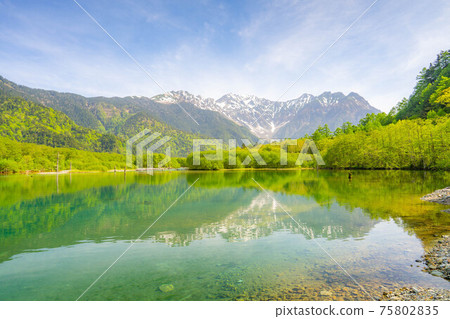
<point x="225" y="239"/>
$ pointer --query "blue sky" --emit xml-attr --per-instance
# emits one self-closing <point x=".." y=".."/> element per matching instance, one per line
<point x="215" y="47"/>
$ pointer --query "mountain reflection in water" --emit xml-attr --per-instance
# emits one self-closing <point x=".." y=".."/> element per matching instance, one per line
<point x="227" y="213"/>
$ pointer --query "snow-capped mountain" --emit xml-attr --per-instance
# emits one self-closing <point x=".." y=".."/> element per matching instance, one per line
<point x="184" y="96"/>
<point x="289" y="119"/>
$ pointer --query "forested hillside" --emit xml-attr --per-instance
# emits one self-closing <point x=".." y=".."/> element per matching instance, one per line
<point x="402" y="138"/>
<point x="69" y="104"/>
<point x="110" y="114"/>
<point x="180" y="142"/>
<point x="431" y="93"/>
<point x="25" y="121"/>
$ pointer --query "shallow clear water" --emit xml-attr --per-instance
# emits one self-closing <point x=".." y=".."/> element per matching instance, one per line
<point x="225" y="239"/>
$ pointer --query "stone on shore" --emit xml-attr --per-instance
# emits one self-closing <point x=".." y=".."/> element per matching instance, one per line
<point x="441" y="196"/>
<point x="437" y="260"/>
<point x="416" y="294"/>
<point x="437" y="263"/>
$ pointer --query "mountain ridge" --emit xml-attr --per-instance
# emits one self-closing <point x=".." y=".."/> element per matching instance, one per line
<point x="231" y="116"/>
<point x="109" y="114"/>
<point x="280" y="119"/>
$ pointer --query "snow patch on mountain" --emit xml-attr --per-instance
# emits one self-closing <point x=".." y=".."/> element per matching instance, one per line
<point x="289" y="119"/>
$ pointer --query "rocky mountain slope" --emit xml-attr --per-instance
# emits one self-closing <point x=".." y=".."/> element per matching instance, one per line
<point x="110" y="115"/>
<point x="231" y="116"/>
<point x="289" y="119"/>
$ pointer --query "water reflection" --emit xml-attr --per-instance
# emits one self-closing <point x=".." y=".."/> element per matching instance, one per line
<point x="94" y="207"/>
<point x="43" y="214"/>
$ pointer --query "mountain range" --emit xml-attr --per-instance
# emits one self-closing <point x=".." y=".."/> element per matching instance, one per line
<point x="271" y="119"/>
<point x="111" y="114"/>
<point x="231" y="116"/>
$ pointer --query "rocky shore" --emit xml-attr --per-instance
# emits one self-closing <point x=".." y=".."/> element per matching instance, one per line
<point x="416" y="294"/>
<point x="441" y="196"/>
<point x="437" y="260"/>
<point x="437" y="263"/>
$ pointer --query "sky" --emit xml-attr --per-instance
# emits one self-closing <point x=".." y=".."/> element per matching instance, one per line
<point x="212" y="48"/>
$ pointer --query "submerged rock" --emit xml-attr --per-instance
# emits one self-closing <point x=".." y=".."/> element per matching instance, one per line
<point x="326" y="293"/>
<point x="166" y="287"/>
<point x="437" y="273"/>
<point x="437" y="263"/>
<point x="437" y="260"/>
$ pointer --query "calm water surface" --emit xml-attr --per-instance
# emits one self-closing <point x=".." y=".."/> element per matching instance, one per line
<point x="225" y="239"/>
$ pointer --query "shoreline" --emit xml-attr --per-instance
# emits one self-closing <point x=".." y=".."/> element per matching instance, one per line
<point x="30" y="172"/>
<point x="440" y="196"/>
<point x="436" y="262"/>
<point x="65" y="172"/>
<point x="437" y="259"/>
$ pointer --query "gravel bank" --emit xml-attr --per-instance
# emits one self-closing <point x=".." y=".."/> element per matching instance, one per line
<point x="416" y="294"/>
<point x="437" y="263"/>
<point x="437" y="260"/>
<point x="441" y="196"/>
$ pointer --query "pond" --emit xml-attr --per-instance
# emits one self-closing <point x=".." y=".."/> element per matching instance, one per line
<point x="231" y="235"/>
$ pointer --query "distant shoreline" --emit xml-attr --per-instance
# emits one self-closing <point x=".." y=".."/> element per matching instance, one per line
<point x="218" y="170"/>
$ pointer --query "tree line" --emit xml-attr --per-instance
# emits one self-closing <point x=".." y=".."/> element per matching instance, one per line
<point x="415" y="134"/>
<point x="20" y="157"/>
